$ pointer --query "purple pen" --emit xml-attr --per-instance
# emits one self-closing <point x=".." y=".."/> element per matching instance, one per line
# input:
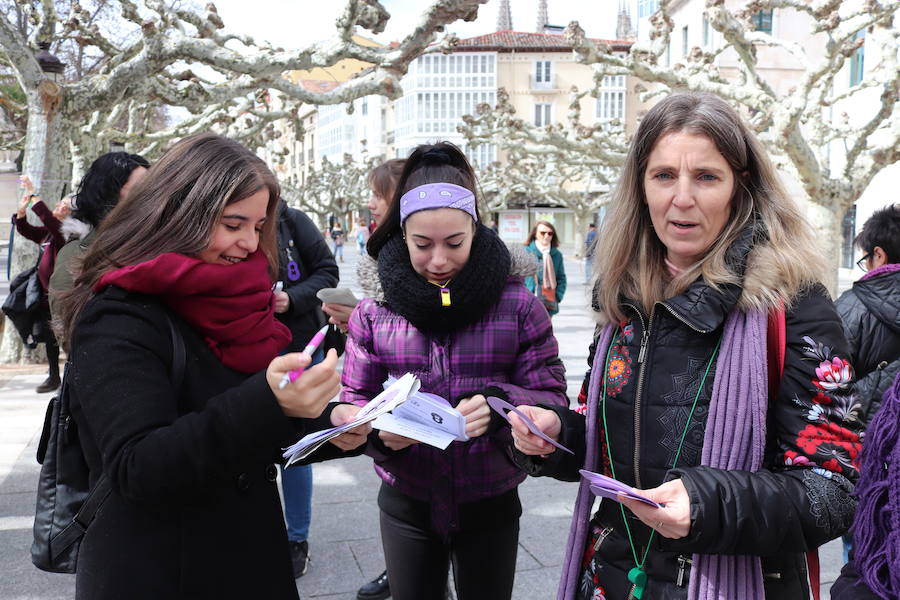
<point x="310" y="349"/>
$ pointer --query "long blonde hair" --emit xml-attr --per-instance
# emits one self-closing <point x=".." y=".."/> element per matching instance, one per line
<point x="630" y="257"/>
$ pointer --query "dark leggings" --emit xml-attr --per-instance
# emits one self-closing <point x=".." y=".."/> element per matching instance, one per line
<point x="484" y="560"/>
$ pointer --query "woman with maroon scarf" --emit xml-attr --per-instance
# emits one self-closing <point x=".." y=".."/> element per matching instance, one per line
<point x="50" y="238"/>
<point x="194" y="508"/>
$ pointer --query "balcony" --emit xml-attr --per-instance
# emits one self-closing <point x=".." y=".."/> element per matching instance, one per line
<point x="543" y="87"/>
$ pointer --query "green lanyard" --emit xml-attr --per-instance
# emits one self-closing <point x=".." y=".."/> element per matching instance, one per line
<point x="637" y="575"/>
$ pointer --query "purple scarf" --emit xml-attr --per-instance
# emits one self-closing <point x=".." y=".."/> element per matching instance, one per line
<point x="882" y="270"/>
<point x="734" y="439"/>
<point x="876" y="526"/>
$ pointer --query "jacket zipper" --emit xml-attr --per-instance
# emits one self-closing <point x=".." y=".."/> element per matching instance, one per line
<point x="645" y="339"/>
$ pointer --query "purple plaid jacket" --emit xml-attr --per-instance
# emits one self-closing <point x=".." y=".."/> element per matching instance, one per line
<point x="512" y="347"/>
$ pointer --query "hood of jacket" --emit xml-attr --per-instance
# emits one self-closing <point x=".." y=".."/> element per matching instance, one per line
<point x="881" y="296"/>
<point x="73" y="229"/>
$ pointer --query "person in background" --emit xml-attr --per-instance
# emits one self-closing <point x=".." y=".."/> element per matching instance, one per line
<point x="305" y="265"/>
<point x="50" y="239"/>
<point x="107" y="182"/>
<point x="550" y="282"/>
<point x="337" y="238"/>
<point x="382" y="183"/>
<point x="745" y="432"/>
<point x="870" y="311"/>
<point x="193" y="507"/>
<point x="360" y="233"/>
<point x="372" y="225"/>
<point x="455" y="313"/>
<point x="589" y="241"/>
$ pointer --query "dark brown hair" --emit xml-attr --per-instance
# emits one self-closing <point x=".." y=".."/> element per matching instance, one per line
<point x="429" y="163"/>
<point x="175" y="208"/>
<point x="554" y="239"/>
<point x="383" y="178"/>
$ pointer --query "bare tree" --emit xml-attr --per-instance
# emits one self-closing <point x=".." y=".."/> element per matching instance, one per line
<point x="151" y="60"/>
<point x="796" y="126"/>
<point x="571" y="165"/>
<point x="333" y="189"/>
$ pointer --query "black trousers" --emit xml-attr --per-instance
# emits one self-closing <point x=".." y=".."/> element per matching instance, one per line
<point x="483" y="558"/>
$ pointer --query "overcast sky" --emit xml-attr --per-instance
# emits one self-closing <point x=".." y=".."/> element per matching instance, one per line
<point x="296" y="23"/>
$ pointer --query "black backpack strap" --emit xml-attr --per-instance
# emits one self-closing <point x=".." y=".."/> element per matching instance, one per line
<point x="75" y="530"/>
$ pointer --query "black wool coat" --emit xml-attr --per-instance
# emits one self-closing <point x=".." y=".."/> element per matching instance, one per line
<point x="300" y="241"/>
<point x="194" y="510"/>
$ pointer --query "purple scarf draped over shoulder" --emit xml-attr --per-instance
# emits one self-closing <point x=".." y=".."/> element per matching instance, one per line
<point x="734" y="439"/>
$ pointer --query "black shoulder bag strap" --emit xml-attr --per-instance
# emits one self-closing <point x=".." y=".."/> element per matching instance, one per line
<point x="76" y="529"/>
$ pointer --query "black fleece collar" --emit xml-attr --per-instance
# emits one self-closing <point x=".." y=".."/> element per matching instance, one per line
<point x="473" y="291"/>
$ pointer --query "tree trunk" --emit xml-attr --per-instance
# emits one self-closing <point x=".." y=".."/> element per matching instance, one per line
<point x="45" y="164"/>
<point x="583" y="216"/>
<point x="827" y="223"/>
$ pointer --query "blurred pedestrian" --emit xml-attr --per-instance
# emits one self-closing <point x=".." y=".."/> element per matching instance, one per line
<point x="108" y="180"/>
<point x="360" y="233"/>
<point x="337" y="238"/>
<point x="589" y="243"/>
<point x="550" y="282"/>
<point x="49" y="237"/>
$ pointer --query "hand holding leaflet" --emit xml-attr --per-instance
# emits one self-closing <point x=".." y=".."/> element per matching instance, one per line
<point x="502" y="407"/>
<point x="426" y="418"/>
<point x="389" y="399"/>
<point x="607" y="487"/>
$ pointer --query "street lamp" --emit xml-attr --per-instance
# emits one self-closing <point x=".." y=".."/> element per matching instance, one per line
<point x="49" y="63"/>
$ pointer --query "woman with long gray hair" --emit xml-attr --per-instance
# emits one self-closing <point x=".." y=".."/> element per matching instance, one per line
<point x="719" y="391"/>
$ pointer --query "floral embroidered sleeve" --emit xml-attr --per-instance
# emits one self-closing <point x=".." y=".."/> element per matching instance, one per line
<point x="818" y="416"/>
<point x="801" y="498"/>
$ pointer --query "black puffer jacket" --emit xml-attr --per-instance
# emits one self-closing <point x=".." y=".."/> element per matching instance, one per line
<point x="300" y="241"/>
<point x="871" y="314"/>
<point x="798" y="501"/>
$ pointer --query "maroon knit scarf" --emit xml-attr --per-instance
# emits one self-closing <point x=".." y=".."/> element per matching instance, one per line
<point x="230" y="306"/>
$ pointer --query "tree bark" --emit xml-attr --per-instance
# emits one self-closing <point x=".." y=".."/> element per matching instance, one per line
<point x="45" y="164"/>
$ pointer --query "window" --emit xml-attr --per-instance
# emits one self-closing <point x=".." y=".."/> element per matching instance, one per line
<point x="611" y="105"/>
<point x="705" y="31"/>
<point x="848" y="233"/>
<point x="647" y="8"/>
<point x="542" y="71"/>
<point x="762" y="20"/>
<point x="857" y="61"/>
<point x="684" y="40"/>
<point x="542" y="114"/>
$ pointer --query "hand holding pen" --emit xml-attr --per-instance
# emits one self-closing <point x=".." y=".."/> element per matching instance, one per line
<point x="309" y="350"/>
<point x="307" y="397"/>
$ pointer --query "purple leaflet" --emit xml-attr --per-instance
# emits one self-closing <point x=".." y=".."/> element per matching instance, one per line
<point x="502" y="407"/>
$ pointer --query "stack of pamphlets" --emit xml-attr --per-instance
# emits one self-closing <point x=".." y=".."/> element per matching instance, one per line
<point x="392" y="397"/>
<point x="424" y="417"/>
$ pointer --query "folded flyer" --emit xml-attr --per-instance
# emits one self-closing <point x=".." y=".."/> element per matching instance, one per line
<point x="607" y="487"/>
<point x="424" y="417"/>
<point x="392" y="397"/>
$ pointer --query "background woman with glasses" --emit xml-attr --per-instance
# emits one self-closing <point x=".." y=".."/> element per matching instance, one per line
<point x="551" y="276"/>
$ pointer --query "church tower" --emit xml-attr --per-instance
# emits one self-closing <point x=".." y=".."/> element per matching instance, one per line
<point x="504" y="17"/>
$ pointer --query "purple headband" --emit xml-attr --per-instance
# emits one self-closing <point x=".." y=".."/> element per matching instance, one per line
<point x="436" y="195"/>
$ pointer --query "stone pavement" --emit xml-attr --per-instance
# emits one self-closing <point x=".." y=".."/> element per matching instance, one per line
<point x="344" y="540"/>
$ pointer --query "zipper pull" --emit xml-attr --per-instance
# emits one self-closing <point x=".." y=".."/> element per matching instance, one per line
<point x="604" y="533"/>
<point x="645" y="337"/>
<point x="683" y="561"/>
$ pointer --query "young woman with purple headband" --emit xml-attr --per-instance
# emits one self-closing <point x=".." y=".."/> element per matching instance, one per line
<point x="456" y="314"/>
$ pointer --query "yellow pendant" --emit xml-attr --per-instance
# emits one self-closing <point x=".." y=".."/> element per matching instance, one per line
<point x="445" y="296"/>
